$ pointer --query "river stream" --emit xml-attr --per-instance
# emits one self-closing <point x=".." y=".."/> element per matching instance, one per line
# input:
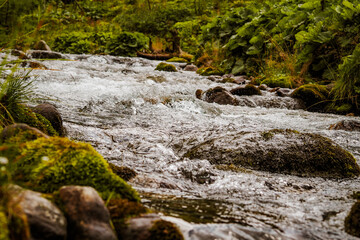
<point x="145" y="119"/>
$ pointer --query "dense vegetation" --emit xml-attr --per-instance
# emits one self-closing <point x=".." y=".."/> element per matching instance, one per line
<point x="279" y="43"/>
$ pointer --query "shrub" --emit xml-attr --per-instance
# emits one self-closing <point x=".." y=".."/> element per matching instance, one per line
<point x="127" y="44"/>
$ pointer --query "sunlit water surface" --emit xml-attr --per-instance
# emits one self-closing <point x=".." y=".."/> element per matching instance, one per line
<point x="145" y="119"/>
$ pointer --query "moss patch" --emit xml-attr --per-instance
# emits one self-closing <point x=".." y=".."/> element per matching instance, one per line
<point x="208" y="71"/>
<point x="352" y="221"/>
<point x="178" y="59"/>
<point x="164" y="230"/>
<point x="46" y="164"/>
<point x="165" y="67"/>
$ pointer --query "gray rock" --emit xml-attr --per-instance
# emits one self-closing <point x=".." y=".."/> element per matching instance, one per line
<point x="50" y="112"/>
<point x="281" y="151"/>
<point x="42" y="54"/>
<point x="44" y="219"/>
<point x="87" y="216"/>
<point x="220" y="96"/>
<point x="42" y="45"/>
<point x="191" y="68"/>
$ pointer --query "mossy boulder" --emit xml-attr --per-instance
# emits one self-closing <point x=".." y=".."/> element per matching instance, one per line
<point x="178" y="59"/>
<point x="280" y="151"/>
<point x="164" y="230"/>
<point x="352" y="221"/>
<point x="165" y="67"/>
<point x="23" y="114"/>
<point x="51" y="113"/>
<point x="248" y="90"/>
<point x="19" y="133"/>
<point x="46" y="164"/>
<point x="208" y="71"/>
<point x="314" y="96"/>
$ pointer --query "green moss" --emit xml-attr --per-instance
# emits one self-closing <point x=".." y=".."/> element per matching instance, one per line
<point x="352" y="221"/>
<point x="24" y="114"/>
<point x="178" y="59"/>
<point x="46" y="164"/>
<point x="164" y="230"/>
<point x="123" y="172"/>
<point x="208" y="71"/>
<point x="16" y="135"/>
<point x="313" y="95"/>
<point x="283" y="81"/>
<point x="4" y="231"/>
<point x="166" y="67"/>
<point x="267" y="135"/>
<point x="340" y="109"/>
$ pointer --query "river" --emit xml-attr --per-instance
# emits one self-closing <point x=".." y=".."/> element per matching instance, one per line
<point x="144" y="119"/>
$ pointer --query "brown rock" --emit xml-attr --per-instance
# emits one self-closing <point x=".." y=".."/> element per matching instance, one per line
<point x="220" y="96"/>
<point x="50" y="112"/>
<point x="17" y="128"/>
<point x="42" y="54"/>
<point x="44" y="219"/>
<point x="191" y="68"/>
<point x="42" y="45"/>
<point x="347" y="125"/>
<point x="87" y="216"/>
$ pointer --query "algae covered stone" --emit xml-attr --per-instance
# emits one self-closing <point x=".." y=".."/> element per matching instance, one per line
<point x="165" y="67"/>
<point x="313" y="95"/>
<point x="280" y="151"/>
<point x="46" y="164"/>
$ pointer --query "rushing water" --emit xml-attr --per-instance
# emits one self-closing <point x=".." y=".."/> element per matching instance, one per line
<point x="145" y="119"/>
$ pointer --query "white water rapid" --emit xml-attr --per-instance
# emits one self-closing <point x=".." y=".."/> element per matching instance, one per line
<point x="143" y="119"/>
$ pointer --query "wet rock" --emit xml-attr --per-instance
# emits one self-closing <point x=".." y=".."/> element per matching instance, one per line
<point x="248" y="90"/>
<point x="352" y="221"/>
<point x="150" y="227"/>
<point x="42" y="45"/>
<point x="87" y="216"/>
<point x="208" y="71"/>
<point x="33" y="64"/>
<point x="27" y="133"/>
<point x="283" y="92"/>
<point x="191" y="68"/>
<point x="44" y="219"/>
<point x="263" y="87"/>
<point x="50" y="112"/>
<point x="19" y="54"/>
<point x="347" y="125"/>
<point x="220" y="96"/>
<point x="313" y="95"/>
<point x="281" y="151"/>
<point x="41" y="54"/>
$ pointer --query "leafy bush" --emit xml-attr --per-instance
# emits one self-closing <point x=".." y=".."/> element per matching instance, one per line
<point x="127" y="44"/>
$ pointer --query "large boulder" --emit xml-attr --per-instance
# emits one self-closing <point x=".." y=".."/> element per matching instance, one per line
<point x="217" y="95"/>
<point x="352" y="221"/>
<point x="281" y="151"/>
<point x="50" y="112"/>
<point x="86" y="213"/>
<point x="43" y="218"/>
<point x="314" y="96"/>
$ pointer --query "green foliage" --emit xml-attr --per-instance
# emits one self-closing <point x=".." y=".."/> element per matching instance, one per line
<point x="208" y="71"/>
<point x="165" y="67"/>
<point x="127" y="44"/>
<point x="46" y="164"/>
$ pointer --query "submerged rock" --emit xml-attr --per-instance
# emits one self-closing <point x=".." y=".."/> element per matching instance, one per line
<point x="347" y="125"/>
<point x="87" y="215"/>
<point x="43" y="218"/>
<point x="352" y="221"/>
<point x="280" y="151"/>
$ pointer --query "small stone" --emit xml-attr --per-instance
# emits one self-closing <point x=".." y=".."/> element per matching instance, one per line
<point x="42" y="45"/>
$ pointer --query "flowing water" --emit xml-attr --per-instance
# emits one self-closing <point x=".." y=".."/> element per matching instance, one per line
<point x="145" y="119"/>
